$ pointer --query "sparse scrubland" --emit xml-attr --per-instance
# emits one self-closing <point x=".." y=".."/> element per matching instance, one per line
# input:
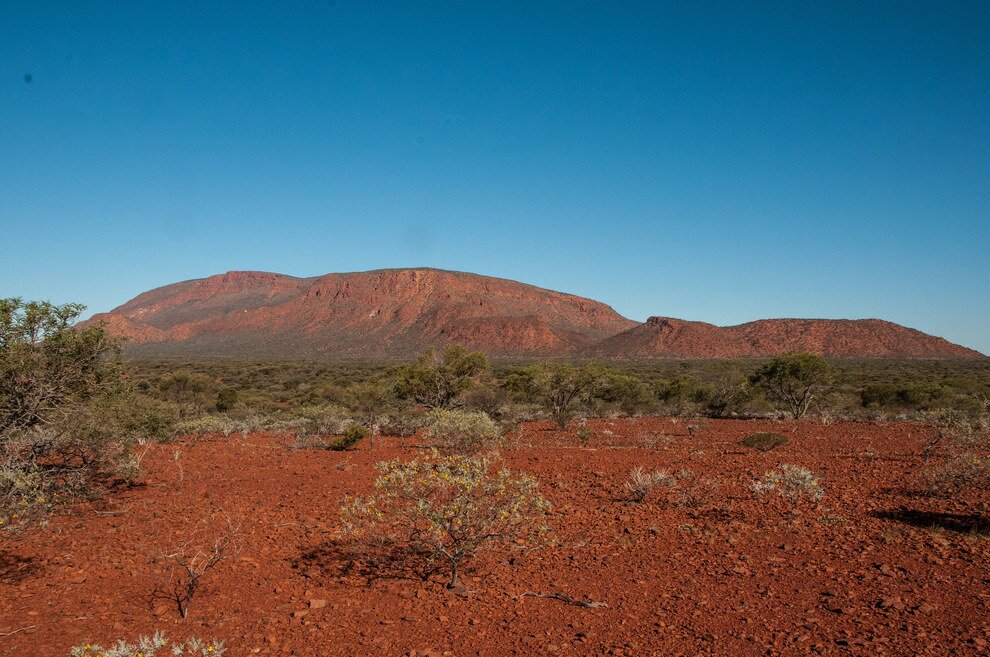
<point x="450" y="504"/>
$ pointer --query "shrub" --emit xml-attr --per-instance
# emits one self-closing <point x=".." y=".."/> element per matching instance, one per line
<point x="764" y="441"/>
<point x="61" y="394"/>
<point x="641" y="483"/>
<point x="149" y="646"/>
<point x="186" y="562"/>
<point x="445" y="509"/>
<point x="463" y="432"/>
<point x="692" y="491"/>
<point x="352" y="435"/>
<point x="965" y="445"/>
<point x="226" y="399"/>
<point x="207" y="424"/>
<point x="584" y="433"/>
<point x="790" y="481"/>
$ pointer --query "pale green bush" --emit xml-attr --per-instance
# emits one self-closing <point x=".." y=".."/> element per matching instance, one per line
<point x="464" y="432"/>
<point x="445" y="510"/>
<point x="790" y="481"/>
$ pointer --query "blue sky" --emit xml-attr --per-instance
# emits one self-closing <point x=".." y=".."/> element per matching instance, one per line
<point x="708" y="161"/>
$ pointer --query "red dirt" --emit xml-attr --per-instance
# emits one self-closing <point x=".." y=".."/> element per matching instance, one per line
<point x="394" y="313"/>
<point x="863" y="573"/>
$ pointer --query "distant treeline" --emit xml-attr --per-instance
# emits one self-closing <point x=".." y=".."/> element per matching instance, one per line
<point x="864" y="389"/>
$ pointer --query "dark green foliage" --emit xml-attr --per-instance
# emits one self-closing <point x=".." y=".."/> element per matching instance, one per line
<point x="353" y="434"/>
<point x="763" y="442"/>
<point x="794" y="381"/>
<point x="710" y="388"/>
<point x="226" y="399"/>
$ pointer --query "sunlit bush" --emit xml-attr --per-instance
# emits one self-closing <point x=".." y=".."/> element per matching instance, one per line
<point x="445" y="510"/>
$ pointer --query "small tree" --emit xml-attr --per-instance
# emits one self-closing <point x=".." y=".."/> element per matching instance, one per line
<point x="446" y="509"/>
<point x="186" y="563"/>
<point x="560" y="387"/>
<point x="437" y="378"/>
<point x="370" y="402"/>
<point x="794" y="380"/>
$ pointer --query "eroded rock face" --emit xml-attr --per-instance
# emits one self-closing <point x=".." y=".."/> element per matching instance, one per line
<point x="386" y="313"/>
<point x="394" y="313"/>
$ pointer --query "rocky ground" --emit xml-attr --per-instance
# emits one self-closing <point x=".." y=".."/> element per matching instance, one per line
<point x="875" y="568"/>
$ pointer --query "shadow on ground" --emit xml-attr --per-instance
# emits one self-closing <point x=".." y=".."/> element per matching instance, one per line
<point x="963" y="523"/>
<point x="344" y="561"/>
<point x="15" y="568"/>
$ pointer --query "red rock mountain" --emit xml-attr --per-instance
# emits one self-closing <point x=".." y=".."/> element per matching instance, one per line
<point x="664" y="337"/>
<point x="386" y="313"/>
<point x="394" y="313"/>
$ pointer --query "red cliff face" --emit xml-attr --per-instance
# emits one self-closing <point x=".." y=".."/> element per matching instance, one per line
<point x="377" y="314"/>
<point x="395" y="313"/>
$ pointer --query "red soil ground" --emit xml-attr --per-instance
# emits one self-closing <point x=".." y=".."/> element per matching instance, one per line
<point x="871" y="570"/>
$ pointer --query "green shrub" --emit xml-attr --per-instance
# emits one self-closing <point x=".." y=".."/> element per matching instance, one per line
<point x="764" y="441"/>
<point x="463" y="432"/>
<point x="61" y="395"/>
<point x="353" y="434"/>
<point x="226" y="399"/>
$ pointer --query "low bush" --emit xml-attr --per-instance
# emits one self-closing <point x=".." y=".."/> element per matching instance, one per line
<point x="462" y="432"/>
<point x="764" y="441"/>
<point x="152" y="646"/>
<point x="445" y="510"/>
<point x="641" y="483"/>
<point x="962" y="441"/>
<point x="790" y="481"/>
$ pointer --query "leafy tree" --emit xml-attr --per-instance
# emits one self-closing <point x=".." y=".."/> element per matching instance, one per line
<point x="561" y="388"/>
<point x="370" y="402"/>
<point x="726" y="388"/>
<point x="437" y="378"/>
<point x="681" y="394"/>
<point x="794" y="380"/>
<point x="627" y="392"/>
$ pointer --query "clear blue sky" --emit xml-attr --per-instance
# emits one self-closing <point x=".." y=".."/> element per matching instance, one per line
<point x="700" y="160"/>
